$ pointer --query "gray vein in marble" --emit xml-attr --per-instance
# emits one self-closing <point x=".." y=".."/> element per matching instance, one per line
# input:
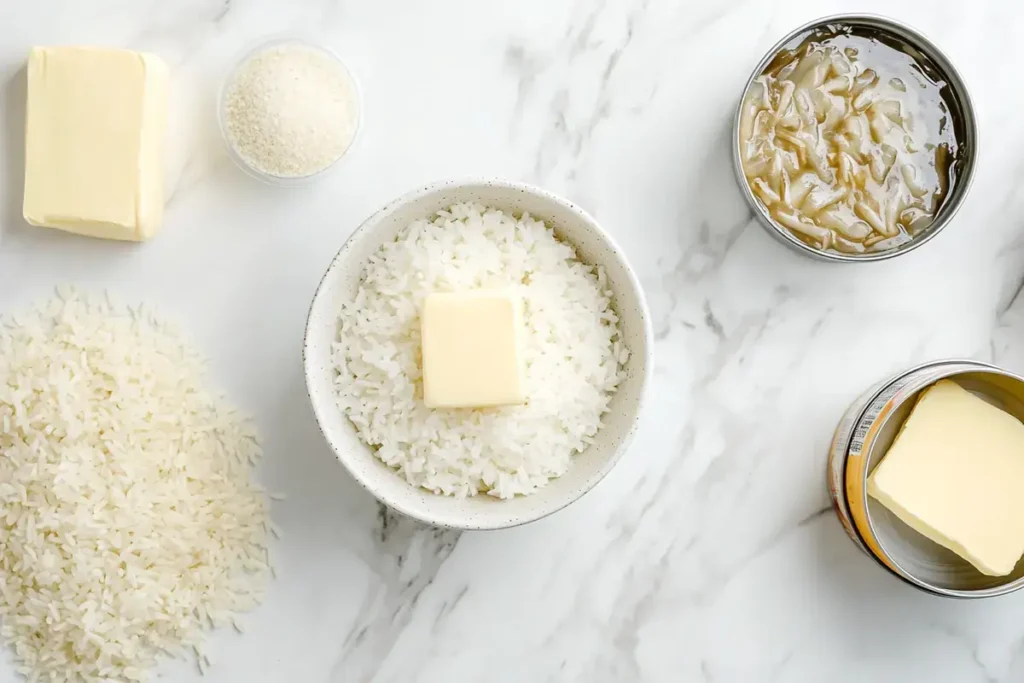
<point x="565" y="138"/>
<point x="725" y="575"/>
<point x="639" y="597"/>
<point x="448" y="606"/>
<point x="194" y="171"/>
<point x="698" y="260"/>
<point x="1015" y="668"/>
<point x="386" y="611"/>
<point x="1012" y="298"/>
<point x="720" y="11"/>
<point x="636" y="609"/>
<point x="703" y="252"/>
<point x="581" y="42"/>
<point x="626" y="636"/>
<point x="180" y="38"/>
<point x="970" y="645"/>
<point x="712" y="322"/>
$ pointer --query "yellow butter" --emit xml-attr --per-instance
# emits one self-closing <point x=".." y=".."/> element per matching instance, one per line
<point x="956" y="474"/>
<point x="472" y="354"/>
<point x="94" y="141"/>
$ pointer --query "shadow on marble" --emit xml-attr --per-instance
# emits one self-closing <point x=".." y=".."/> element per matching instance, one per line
<point x="298" y="459"/>
<point x="326" y="511"/>
<point x="853" y="579"/>
<point x="13" y="144"/>
<point x="720" y="214"/>
<point x="717" y="195"/>
<point x="192" y="118"/>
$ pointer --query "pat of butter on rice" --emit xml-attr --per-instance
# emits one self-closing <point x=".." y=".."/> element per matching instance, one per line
<point x="472" y="355"/>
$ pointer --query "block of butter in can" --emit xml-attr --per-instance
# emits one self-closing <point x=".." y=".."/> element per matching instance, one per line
<point x="955" y="474"/>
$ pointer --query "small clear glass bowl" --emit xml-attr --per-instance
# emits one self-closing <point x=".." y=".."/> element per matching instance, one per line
<point x="249" y="53"/>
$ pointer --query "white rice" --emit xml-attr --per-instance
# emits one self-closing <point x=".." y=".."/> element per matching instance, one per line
<point x="572" y="348"/>
<point x="129" y="523"/>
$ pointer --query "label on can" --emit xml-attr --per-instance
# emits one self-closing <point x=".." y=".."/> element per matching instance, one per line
<point x="837" y="459"/>
<point x="871" y="413"/>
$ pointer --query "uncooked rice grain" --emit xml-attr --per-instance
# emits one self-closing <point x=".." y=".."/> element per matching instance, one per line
<point x="572" y="346"/>
<point x="129" y="522"/>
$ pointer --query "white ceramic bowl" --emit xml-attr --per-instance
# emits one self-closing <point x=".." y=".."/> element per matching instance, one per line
<point x="339" y="285"/>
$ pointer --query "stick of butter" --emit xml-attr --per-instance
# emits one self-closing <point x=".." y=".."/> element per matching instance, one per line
<point x="471" y="344"/>
<point x="94" y="141"/>
<point x="956" y="474"/>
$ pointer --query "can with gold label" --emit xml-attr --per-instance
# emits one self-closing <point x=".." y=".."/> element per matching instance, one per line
<point x="865" y="432"/>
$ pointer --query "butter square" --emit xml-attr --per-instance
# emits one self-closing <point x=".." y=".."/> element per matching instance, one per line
<point x="956" y="474"/>
<point x="96" y="120"/>
<point x="471" y="344"/>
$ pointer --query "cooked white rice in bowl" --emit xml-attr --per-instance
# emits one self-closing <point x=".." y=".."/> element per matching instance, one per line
<point x="346" y="276"/>
<point x="572" y="348"/>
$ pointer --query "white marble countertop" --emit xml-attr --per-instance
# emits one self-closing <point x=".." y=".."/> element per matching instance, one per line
<point x="710" y="553"/>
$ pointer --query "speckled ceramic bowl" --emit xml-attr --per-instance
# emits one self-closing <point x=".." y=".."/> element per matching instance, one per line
<point x="339" y="284"/>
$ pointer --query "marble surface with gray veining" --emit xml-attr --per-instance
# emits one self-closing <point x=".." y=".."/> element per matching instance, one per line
<point x="710" y="554"/>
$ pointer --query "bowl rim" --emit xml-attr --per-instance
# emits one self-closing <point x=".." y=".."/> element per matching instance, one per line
<point x="366" y="228"/>
<point x="960" y="91"/>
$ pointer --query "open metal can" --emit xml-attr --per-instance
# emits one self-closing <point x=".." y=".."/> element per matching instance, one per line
<point x="962" y="115"/>
<point x="865" y="433"/>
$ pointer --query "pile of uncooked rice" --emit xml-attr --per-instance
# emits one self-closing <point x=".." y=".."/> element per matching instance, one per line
<point x="572" y="348"/>
<point x="129" y="521"/>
